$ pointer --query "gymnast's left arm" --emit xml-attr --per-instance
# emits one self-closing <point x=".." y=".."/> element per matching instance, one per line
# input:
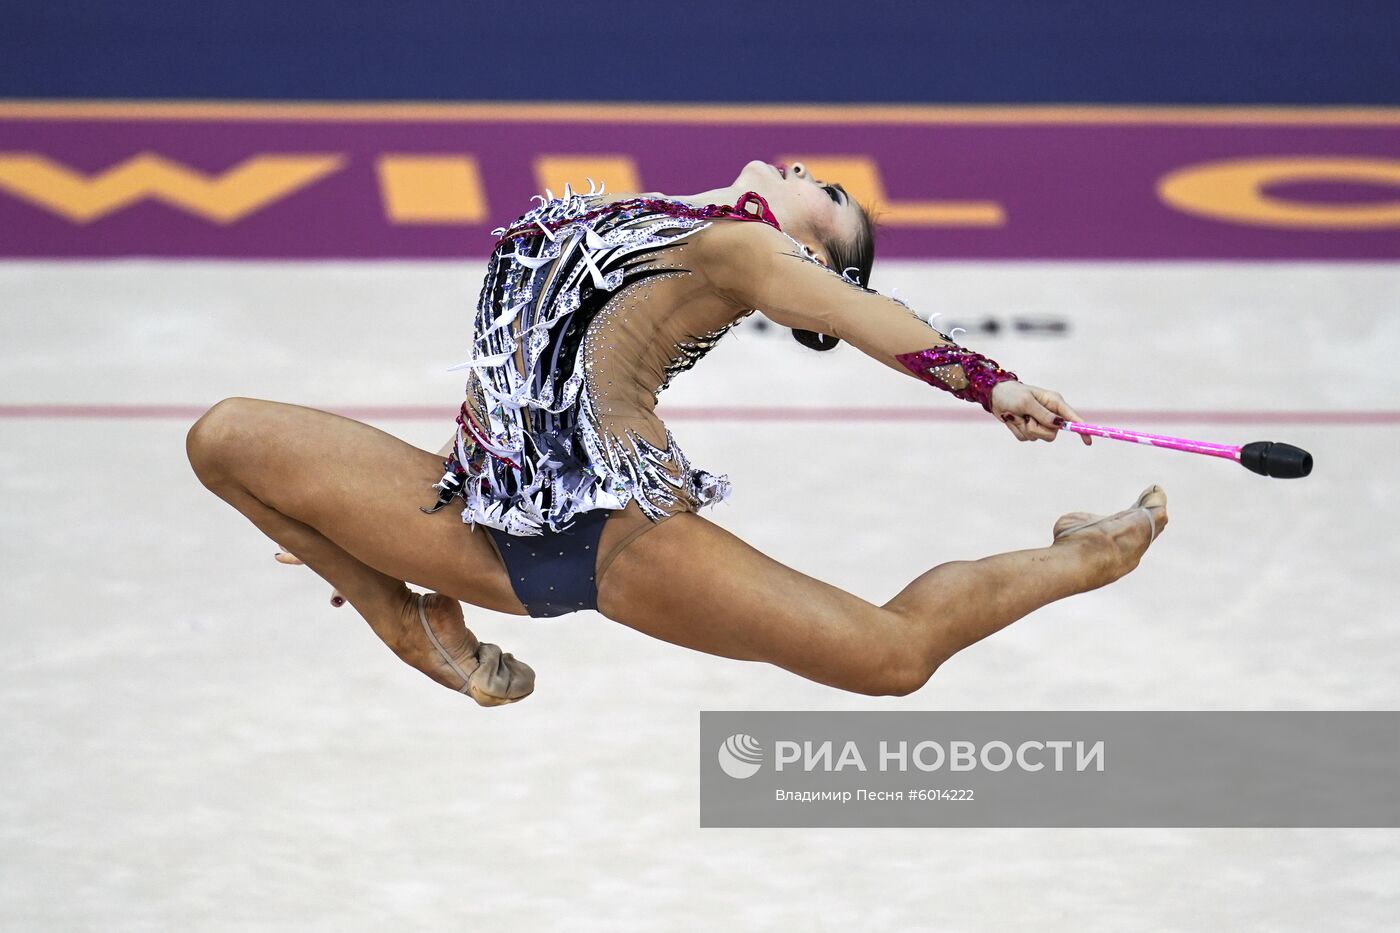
<point x="763" y="269"/>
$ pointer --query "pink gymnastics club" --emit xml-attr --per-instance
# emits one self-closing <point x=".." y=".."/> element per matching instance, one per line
<point x="1267" y="458"/>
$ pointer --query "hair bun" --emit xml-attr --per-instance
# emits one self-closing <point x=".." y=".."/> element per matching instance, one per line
<point x="815" y="340"/>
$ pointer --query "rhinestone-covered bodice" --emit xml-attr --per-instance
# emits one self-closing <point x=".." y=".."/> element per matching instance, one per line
<point x="570" y="353"/>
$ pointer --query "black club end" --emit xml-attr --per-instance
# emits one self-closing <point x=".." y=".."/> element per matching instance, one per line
<point x="1281" y="461"/>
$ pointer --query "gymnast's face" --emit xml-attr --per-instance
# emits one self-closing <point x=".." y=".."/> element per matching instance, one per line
<point x="811" y="210"/>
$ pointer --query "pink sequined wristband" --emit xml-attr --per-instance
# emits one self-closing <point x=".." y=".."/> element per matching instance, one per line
<point x="982" y="374"/>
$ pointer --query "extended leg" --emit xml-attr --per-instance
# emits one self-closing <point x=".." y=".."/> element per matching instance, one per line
<point x="692" y="583"/>
<point x="1006" y="587"/>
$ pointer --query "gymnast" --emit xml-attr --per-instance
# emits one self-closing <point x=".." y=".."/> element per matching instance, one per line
<point x="573" y="493"/>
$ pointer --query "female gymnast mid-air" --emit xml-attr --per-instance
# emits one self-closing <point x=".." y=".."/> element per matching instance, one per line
<point x="574" y="493"/>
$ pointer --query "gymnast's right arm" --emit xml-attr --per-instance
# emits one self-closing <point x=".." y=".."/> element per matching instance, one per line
<point x="755" y="266"/>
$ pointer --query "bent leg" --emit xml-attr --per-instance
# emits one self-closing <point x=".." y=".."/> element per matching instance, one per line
<point x="694" y="584"/>
<point x="292" y="471"/>
<point x="354" y="485"/>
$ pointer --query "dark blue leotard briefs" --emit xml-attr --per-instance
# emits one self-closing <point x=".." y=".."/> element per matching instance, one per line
<point x="553" y="573"/>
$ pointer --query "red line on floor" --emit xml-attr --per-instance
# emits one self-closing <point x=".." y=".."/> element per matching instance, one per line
<point x="446" y="413"/>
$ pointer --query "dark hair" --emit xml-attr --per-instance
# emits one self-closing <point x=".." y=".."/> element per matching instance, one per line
<point x="853" y="257"/>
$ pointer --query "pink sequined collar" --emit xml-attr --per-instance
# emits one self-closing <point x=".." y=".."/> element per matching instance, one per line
<point x="739" y="211"/>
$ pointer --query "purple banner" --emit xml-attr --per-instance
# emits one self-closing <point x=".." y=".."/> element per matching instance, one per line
<point x="422" y="181"/>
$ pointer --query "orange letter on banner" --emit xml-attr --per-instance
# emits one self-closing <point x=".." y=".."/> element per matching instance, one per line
<point x="1232" y="191"/>
<point x="242" y="190"/>
<point x="617" y="172"/>
<point x="860" y="176"/>
<point x="432" y="189"/>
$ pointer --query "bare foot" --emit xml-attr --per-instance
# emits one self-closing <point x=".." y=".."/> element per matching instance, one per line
<point x="1131" y="531"/>
<point x="440" y="645"/>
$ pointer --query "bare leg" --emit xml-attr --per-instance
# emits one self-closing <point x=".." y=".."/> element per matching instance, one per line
<point x="287" y="467"/>
<point x="1006" y="587"/>
<point x="692" y="583"/>
<point x="284" y="556"/>
<point x="344" y="497"/>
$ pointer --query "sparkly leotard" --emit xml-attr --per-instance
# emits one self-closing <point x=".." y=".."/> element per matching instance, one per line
<point x="570" y="357"/>
<point x="567" y="367"/>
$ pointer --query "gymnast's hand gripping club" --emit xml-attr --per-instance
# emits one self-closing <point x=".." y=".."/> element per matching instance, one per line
<point x="976" y="376"/>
